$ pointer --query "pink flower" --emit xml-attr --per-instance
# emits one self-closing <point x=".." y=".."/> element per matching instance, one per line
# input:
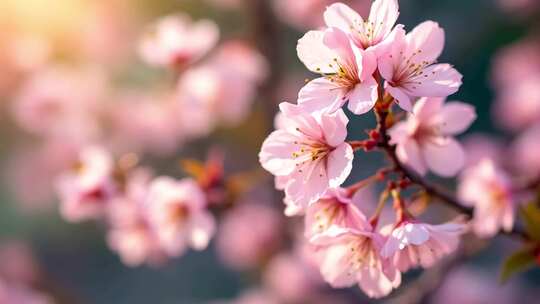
<point x="334" y="208"/>
<point x="21" y="294"/>
<point x="310" y="151"/>
<point x="221" y="91"/>
<point x="349" y="256"/>
<point x="61" y="103"/>
<point x="368" y="34"/>
<point x="518" y="106"/>
<point x="488" y="189"/>
<point x="413" y="244"/>
<point x="85" y="189"/>
<point x="290" y="279"/>
<point x="525" y="152"/>
<point x="248" y="235"/>
<point x="130" y="233"/>
<point x="176" y="41"/>
<point x="145" y="122"/>
<point x="425" y="139"/>
<point x="346" y="70"/>
<point x="480" y="146"/>
<point x="409" y="67"/>
<point x="177" y="211"/>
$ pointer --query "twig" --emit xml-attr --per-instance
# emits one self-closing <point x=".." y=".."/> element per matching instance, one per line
<point x="381" y="114"/>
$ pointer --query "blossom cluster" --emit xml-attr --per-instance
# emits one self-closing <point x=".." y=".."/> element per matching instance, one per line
<point x="368" y="64"/>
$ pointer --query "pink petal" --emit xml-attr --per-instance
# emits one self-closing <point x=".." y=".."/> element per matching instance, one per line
<point x="399" y="133"/>
<point x="392" y="54"/>
<point x="203" y="227"/>
<point x="276" y="153"/>
<point x="425" y="108"/>
<point x="445" y="160"/>
<point x="428" y="37"/>
<point x="339" y="164"/>
<point x="383" y="14"/>
<point x="403" y="100"/>
<point x="321" y="95"/>
<point x="363" y="97"/>
<point x="375" y="284"/>
<point x="409" y="154"/>
<point x="334" y="127"/>
<point x="336" y="40"/>
<point x="341" y="16"/>
<point x="456" y="117"/>
<point x="438" y="80"/>
<point x="315" y="54"/>
<point x="309" y="186"/>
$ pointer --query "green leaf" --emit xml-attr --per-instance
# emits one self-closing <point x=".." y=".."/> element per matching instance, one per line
<point x="517" y="262"/>
<point x="531" y="219"/>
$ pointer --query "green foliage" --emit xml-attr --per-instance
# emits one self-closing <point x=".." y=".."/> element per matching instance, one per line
<point x="517" y="262"/>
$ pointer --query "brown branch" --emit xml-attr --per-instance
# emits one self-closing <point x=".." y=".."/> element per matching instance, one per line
<point x="381" y="113"/>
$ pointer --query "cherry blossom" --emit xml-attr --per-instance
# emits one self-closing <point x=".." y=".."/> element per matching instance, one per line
<point x="333" y="209"/>
<point x="177" y="211"/>
<point x="410" y="67"/>
<point x="351" y="256"/>
<point x="85" y="189"/>
<point x="488" y="189"/>
<point x="177" y="40"/>
<point x="310" y="151"/>
<point x="346" y="73"/>
<point x="371" y="33"/>
<point x="425" y="139"/>
<point x="412" y="243"/>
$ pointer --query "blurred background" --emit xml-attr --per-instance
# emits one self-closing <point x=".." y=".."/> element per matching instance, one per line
<point x="93" y="46"/>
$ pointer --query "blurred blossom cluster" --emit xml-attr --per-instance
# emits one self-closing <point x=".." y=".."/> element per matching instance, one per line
<point x="149" y="127"/>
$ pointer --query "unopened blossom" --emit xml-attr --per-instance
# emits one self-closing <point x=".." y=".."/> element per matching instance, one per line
<point x="488" y="189"/>
<point x="346" y="73"/>
<point x="248" y="235"/>
<point x="425" y="140"/>
<point x="176" y="40"/>
<point x="410" y="69"/>
<point x="335" y="208"/>
<point x="350" y="256"/>
<point x="412" y="244"/>
<point x="310" y="152"/>
<point x="130" y="233"/>
<point x="85" y="188"/>
<point x="526" y="152"/>
<point x="369" y="34"/>
<point x="177" y="211"/>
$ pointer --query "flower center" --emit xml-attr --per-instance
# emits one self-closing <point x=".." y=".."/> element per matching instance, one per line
<point x="345" y="75"/>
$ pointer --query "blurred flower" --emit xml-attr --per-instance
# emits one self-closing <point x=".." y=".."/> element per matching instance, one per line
<point x="60" y="102"/>
<point x="175" y="41"/>
<point x="518" y="106"/>
<point x="17" y="263"/>
<point x="248" y="235"/>
<point x="20" y="294"/>
<point x="290" y="279"/>
<point x="413" y="244"/>
<point x="471" y="286"/>
<point x="425" y="139"/>
<point x="310" y="151"/>
<point x="177" y="211"/>
<point x="351" y="256"/>
<point x="346" y="70"/>
<point x="86" y="187"/>
<point x="410" y="67"/>
<point x="220" y="92"/>
<point x="488" y="189"/>
<point x="38" y="166"/>
<point x="525" y="151"/>
<point x="480" y="146"/>
<point x="522" y="7"/>
<point x="130" y="233"/>
<point x="145" y="122"/>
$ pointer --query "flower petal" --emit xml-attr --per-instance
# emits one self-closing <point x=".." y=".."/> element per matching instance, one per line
<point x="445" y="160"/>
<point x="316" y="56"/>
<point x="363" y="97"/>
<point x="409" y="154"/>
<point x="456" y="117"/>
<point x="321" y="95"/>
<point x="339" y="165"/>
